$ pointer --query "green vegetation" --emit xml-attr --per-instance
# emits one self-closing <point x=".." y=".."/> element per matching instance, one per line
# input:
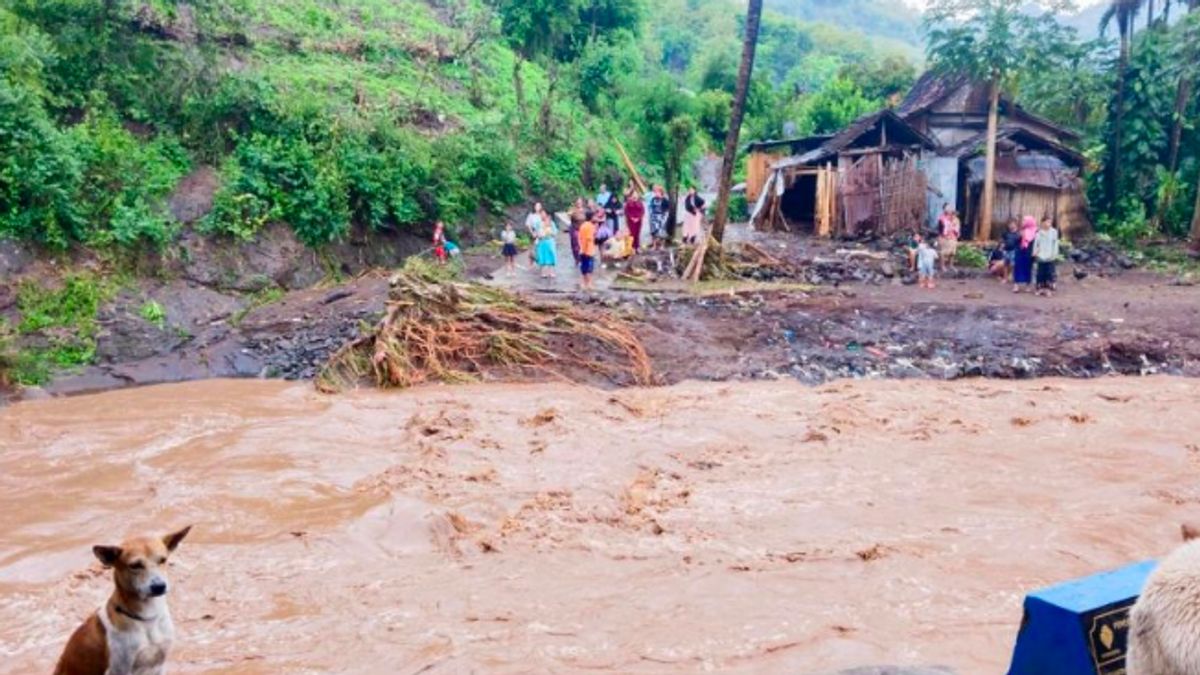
<point x="269" y="295"/>
<point x="386" y="114"/>
<point x="153" y="313"/>
<point x="63" y="321"/>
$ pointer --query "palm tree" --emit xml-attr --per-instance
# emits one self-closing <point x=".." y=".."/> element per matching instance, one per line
<point x="991" y="41"/>
<point x="749" y="46"/>
<point x="1123" y="12"/>
<point x="1186" y="84"/>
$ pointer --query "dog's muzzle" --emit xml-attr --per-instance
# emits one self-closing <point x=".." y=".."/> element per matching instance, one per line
<point x="158" y="588"/>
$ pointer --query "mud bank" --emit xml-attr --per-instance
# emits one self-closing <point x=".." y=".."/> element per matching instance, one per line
<point x="765" y="528"/>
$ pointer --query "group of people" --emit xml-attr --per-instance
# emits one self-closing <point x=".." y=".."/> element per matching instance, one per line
<point x="608" y="227"/>
<point x="1026" y="256"/>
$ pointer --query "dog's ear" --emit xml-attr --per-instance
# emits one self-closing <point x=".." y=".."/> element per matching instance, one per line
<point x="1189" y="531"/>
<point x="171" y="541"/>
<point x="107" y="555"/>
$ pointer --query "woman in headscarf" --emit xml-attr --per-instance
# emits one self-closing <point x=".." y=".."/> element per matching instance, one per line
<point x="693" y="220"/>
<point x="1023" y="261"/>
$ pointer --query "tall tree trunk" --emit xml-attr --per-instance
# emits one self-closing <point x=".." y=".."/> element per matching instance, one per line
<point x="519" y="90"/>
<point x="546" y="115"/>
<point x="1150" y="14"/>
<point x="1113" y="173"/>
<point x="1196" y="219"/>
<point x="1182" y="98"/>
<point x="729" y="158"/>
<point x="987" y="208"/>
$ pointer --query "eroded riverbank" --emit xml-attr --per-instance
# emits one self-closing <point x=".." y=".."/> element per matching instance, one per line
<point x="768" y="527"/>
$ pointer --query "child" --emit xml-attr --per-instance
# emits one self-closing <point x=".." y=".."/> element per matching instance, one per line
<point x="1012" y="241"/>
<point x="439" y="242"/>
<point x="587" y="253"/>
<point x="998" y="264"/>
<point x="926" y="263"/>
<point x="912" y="244"/>
<point x="1045" y="252"/>
<point x="948" y="241"/>
<point x="508" y="241"/>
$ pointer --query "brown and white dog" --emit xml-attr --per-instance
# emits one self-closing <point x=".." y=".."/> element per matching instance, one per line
<point x="1164" y="631"/>
<point x="131" y="634"/>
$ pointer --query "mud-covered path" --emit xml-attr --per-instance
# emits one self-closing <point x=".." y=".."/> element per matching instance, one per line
<point x="750" y="528"/>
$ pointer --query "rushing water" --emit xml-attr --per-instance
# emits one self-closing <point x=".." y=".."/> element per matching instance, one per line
<point x="745" y="528"/>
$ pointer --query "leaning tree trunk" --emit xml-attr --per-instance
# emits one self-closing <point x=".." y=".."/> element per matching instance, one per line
<point x="987" y="208"/>
<point x="749" y="46"/>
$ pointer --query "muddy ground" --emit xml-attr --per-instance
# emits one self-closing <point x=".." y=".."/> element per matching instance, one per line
<point x="839" y="311"/>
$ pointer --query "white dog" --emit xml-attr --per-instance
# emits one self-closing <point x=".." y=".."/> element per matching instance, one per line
<point x="1164" y="632"/>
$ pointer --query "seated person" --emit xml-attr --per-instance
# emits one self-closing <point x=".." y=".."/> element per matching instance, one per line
<point x="998" y="263"/>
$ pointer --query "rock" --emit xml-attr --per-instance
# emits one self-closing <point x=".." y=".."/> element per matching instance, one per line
<point x="14" y="258"/>
<point x="33" y="394"/>
<point x="1078" y="255"/>
<point x="909" y="280"/>
<point x="887" y="269"/>
<point x="1079" y="274"/>
<point x="193" y="197"/>
<point x="1125" y="262"/>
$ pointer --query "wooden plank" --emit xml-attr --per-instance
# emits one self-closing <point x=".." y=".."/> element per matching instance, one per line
<point x="633" y="172"/>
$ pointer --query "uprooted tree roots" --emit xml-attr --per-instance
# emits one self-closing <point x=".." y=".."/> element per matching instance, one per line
<point x="454" y="332"/>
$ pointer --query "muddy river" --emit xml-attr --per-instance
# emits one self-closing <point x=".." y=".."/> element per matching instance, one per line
<point x="766" y="527"/>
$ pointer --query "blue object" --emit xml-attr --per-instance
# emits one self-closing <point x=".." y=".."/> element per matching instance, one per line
<point x="1079" y="627"/>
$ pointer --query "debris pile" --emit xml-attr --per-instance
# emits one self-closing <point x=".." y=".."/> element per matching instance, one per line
<point x="435" y="330"/>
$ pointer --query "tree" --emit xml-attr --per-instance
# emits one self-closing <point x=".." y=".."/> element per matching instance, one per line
<point x="1123" y="12"/>
<point x="990" y="40"/>
<point x="1187" y="59"/>
<point x="555" y="32"/>
<point x="749" y="44"/>
<point x="664" y="117"/>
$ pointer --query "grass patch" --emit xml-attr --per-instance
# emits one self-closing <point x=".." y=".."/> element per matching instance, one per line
<point x="267" y="296"/>
<point x="61" y="322"/>
<point x="153" y="313"/>
<point x="970" y="257"/>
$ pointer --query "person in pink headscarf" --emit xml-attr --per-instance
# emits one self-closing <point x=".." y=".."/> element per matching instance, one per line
<point x="1023" y="261"/>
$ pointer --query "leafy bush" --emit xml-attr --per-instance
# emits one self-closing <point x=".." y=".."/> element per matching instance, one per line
<point x="66" y="320"/>
<point x="970" y="257"/>
<point x="1127" y="224"/>
<point x="153" y="313"/>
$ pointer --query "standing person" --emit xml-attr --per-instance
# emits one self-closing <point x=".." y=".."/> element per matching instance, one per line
<point x="635" y="214"/>
<point x="603" y="196"/>
<point x="547" y="248"/>
<point x="660" y="211"/>
<point x="926" y="264"/>
<point x="1023" y="261"/>
<point x="612" y="213"/>
<point x="578" y="215"/>
<point x="533" y="225"/>
<point x="1045" y="252"/>
<point x="912" y="245"/>
<point x="948" y="241"/>
<point x="508" y="248"/>
<point x="1011" y="241"/>
<point x="947" y="212"/>
<point x="693" y="221"/>
<point x="602" y="233"/>
<point x="439" y="242"/>
<point x="587" y="253"/>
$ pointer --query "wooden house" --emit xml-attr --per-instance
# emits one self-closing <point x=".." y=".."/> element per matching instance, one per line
<point x="866" y="178"/>
<point x="1038" y="173"/>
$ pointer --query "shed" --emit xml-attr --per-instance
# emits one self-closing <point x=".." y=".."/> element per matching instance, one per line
<point x="1035" y="176"/>
<point x="762" y="154"/>
<point x="865" y="178"/>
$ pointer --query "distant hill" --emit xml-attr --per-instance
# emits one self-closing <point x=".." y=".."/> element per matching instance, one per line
<point x="878" y="18"/>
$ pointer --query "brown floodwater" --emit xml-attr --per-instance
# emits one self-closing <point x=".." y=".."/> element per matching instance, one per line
<point x="761" y="527"/>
